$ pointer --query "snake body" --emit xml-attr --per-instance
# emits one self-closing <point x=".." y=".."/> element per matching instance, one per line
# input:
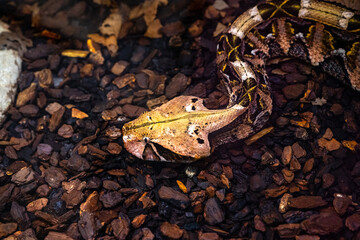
<point x="184" y="130"/>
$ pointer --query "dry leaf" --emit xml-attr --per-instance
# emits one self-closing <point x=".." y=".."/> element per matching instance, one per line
<point x="136" y="12"/>
<point x="319" y="101"/>
<point x="76" y="113"/>
<point x="350" y="144"/>
<point x="302" y="123"/>
<point x="103" y="2"/>
<point x="90" y="46"/>
<point x="153" y="30"/>
<point x="26" y="95"/>
<point x="96" y="58"/>
<point x="74" y="53"/>
<point x="181" y="186"/>
<point x="220" y="28"/>
<point x="220" y="5"/>
<point x="53" y="107"/>
<point x="148" y="9"/>
<point x="258" y="135"/>
<point x="35" y="17"/>
<point x="49" y="34"/>
<point x="225" y="180"/>
<point x="112" y="24"/>
<point x="109" y="42"/>
<point x="353" y="4"/>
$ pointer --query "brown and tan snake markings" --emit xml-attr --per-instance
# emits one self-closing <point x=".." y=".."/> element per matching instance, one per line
<point x="184" y="130"/>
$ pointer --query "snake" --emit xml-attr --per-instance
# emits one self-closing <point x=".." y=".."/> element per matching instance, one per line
<point x="321" y="33"/>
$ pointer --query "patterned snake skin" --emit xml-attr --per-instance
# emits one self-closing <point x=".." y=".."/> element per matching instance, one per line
<point x="321" y="33"/>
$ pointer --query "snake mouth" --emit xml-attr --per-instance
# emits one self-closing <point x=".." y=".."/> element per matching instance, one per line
<point x="135" y="147"/>
<point x="143" y="149"/>
<point x="156" y="152"/>
<point x="151" y="151"/>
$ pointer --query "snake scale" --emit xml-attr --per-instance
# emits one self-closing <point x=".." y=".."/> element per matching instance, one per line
<point x="321" y="33"/>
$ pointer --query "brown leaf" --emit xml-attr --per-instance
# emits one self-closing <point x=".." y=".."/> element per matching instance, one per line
<point x="112" y="24"/>
<point x="181" y="186"/>
<point x="109" y="42"/>
<point x="153" y="30"/>
<point x="26" y="95"/>
<point x="76" y="113"/>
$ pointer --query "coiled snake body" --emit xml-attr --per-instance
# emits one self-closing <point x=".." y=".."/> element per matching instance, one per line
<point x="183" y="129"/>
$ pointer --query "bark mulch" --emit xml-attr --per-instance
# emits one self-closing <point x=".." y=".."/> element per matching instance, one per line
<point x="65" y="175"/>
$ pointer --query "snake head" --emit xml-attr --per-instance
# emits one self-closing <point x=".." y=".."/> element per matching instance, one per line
<point x="176" y="131"/>
<point x="174" y="127"/>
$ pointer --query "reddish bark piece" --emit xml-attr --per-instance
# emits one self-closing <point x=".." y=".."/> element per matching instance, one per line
<point x="171" y="231"/>
<point x="324" y="223"/>
<point x="307" y="202"/>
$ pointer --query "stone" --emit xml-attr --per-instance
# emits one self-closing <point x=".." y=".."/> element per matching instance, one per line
<point x="173" y="28"/>
<point x="44" y="151"/>
<point x="257" y="183"/>
<point x="341" y="203"/>
<point x="5" y="194"/>
<point x="111" y="198"/>
<point x="37" y="205"/>
<point x="73" y="192"/>
<point x="298" y="151"/>
<point x="328" y="180"/>
<point x="58" y="236"/>
<point x="282" y="121"/>
<point x="19" y="214"/>
<point x="308" y="166"/>
<point x="307" y="237"/>
<point x="44" y="77"/>
<point x="330" y="145"/>
<point x="29" y="110"/>
<point x="174" y="197"/>
<point x="286" y="155"/>
<point x="307" y="202"/>
<point x="23" y="176"/>
<point x="121" y="226"/>
<point x="293" y="91"/>
<point x="288" y="175"/>
<point x="209" y="236"/>
<point x="259" y="224"/>
<point x="43" y="190"/>
<point x="289" y="230"/>
<point x="171" y="231"/>
<point x="336" y="109"/>
<point x="133" y="110"/>
<point x="87" y="226"/>
<point x="78" y="163"/>
<point x="138" y="220"/>
<point x="54" y="176"/>
<point x="177" y="85"/>
<point x="213" y="214"/>
<point x="284" y="205"/>
<point x="119" y="67"/>
<point x="123" y="81"/>
<point x="328" y="135"/>
<point x="275" y="191"/>
<point x="324" y="223"/>
<point x="28" y="234"/>
<point x="353" y="222"/>
<point x="7" y="228"/>
<point x="65" y="131"/>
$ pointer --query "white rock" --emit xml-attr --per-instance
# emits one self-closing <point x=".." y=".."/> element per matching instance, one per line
<point x="10" y="69"/>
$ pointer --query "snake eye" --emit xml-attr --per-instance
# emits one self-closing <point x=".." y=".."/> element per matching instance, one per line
<point x="146" y="139"/>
